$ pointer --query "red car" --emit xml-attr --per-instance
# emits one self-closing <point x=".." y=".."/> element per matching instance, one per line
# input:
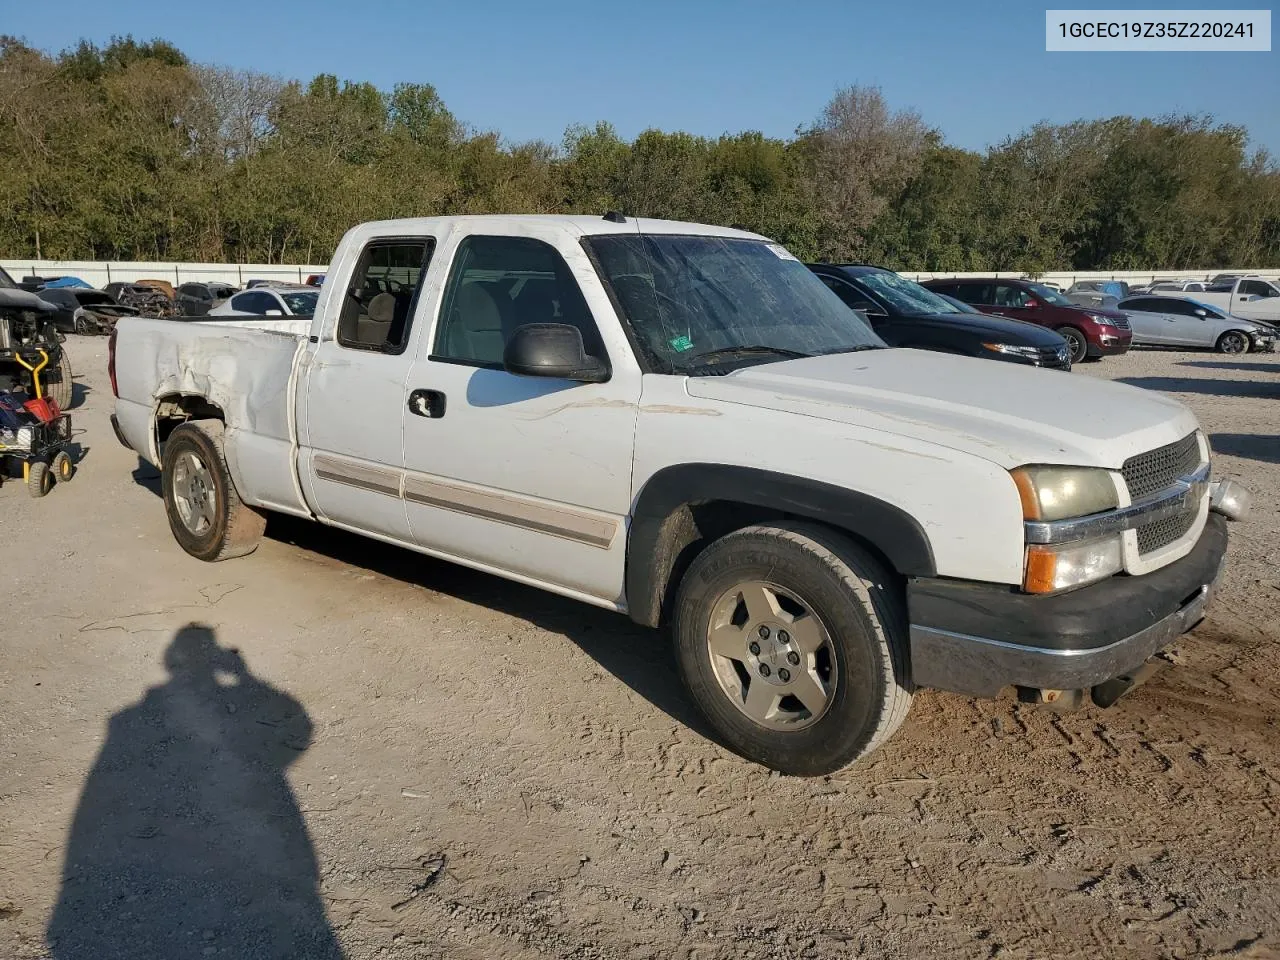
<point x="1092" y="332"/>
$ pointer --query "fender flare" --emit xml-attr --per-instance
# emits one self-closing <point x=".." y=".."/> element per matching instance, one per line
<point x="655" y="537"/>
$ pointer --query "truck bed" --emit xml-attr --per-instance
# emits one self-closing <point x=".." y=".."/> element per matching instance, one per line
<point x="248" y="373"/>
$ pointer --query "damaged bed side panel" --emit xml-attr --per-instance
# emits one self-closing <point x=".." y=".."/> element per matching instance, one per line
<point x="247" y="374"/>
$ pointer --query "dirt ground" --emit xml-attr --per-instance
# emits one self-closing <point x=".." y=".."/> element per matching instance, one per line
<point x="408" y="760"/>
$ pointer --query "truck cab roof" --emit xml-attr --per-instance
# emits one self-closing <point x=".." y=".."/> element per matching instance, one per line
<point x="576" y="224"/>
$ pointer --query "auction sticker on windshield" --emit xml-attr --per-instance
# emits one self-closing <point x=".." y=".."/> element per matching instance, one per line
<point x="1239" y="31"/>
<point x="781" y="252"/>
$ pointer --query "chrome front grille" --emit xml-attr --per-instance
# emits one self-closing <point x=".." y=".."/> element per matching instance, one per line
<point x="1150" y="472"/>
<point x="1121" y="322"/>
<point x="1161" y="533"/>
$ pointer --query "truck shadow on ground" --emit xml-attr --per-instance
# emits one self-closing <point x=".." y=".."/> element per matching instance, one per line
<point x="147" y="477"/>
<point x="1212" y="388"/>
<point x="638" y="657"/>
<point x="187" y="840"/>
<point x="1246" y="445"/>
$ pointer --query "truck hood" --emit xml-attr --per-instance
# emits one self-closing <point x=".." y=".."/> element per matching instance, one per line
<point x="1004" y="413"/>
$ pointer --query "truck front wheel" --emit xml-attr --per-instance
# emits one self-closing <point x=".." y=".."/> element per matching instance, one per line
<point x="792" y="641"/>
<point x="206" y="515"/>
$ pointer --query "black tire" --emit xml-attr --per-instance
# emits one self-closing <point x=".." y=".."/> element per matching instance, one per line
<point x="234" y="529"/>
<point x="1233" y="341"/>
<point x="856" y="599"/>
<point x="1077" y="342"/>
<point x="60" y="392"/>
<point x="39" y="479"/>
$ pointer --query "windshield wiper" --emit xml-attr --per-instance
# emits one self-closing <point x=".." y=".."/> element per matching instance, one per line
<point x="729" y="353"/>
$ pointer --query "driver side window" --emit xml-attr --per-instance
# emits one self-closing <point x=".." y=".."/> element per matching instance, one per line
<point x="500" y="283"/>
<point x="851" y="297"/>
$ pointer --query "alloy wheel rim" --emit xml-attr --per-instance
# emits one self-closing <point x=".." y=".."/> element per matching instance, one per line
<point x="193" y="493"/>
<point x="771" y="655"/>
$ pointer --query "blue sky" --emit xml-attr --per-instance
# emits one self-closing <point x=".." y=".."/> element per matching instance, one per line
<point x="976" y="71"/>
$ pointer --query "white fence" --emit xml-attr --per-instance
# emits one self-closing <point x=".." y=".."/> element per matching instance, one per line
<point x="100" y="273"/>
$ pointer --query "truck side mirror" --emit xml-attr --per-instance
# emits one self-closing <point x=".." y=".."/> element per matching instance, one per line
<point x="552" y="350"/>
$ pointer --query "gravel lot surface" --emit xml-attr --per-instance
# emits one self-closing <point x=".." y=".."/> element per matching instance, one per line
<point x="406" y="759"/>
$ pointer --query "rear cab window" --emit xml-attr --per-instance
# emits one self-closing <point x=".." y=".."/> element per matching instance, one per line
<point x="382" y="295"/>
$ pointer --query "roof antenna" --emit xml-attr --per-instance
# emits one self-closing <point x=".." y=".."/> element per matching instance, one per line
<point x="614" y="216"/>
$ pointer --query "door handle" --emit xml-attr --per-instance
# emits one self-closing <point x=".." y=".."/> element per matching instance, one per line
<point x="427" y="403"/>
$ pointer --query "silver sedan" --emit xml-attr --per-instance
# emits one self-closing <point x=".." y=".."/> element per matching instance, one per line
<point x="1182" y="322"/>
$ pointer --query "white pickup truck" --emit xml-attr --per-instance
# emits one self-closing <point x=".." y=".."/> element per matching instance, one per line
<point x="682" y="423"/>
<point x="1252" y="298"/>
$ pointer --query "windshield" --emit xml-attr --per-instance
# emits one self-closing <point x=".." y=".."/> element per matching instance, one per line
<point x="1049" y="295"/>
<point x="688" y="297"/>
<point x="300" y="303"/>
<point x="903" y="295"/>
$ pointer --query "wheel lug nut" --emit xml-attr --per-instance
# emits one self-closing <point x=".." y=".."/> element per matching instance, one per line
<point x="764" y="669"/>
<point x="764" y="633"/>
<point x="793" y="658"/>
<point x="784" y="637"/>
<point x="784" y="674"/>
<point x="754" y="648"/>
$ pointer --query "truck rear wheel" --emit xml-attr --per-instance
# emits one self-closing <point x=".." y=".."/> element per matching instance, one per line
<point x="206" y="515"/>
<point x="792" y="641"/>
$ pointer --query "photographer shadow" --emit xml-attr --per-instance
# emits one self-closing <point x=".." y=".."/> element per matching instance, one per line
<point x="188" y="840"/>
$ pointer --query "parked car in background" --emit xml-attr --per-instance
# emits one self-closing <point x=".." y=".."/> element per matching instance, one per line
<point x="1092" y="333"/>
<point x="1252" y="298"/>
<point x="85" y="310"/>
<point x="1172" y="286"/>
<point x="195" y="299"/>
<point x="1162" y="321"/>
<point x="315" y="280"/>
<point x="258" y="282"/>
<point x="164" y="286"/>
<point x="1223" y="279"/>
<point x="1097" y="293"/>
<point x="269" y="302"/>
<point x="149" y="301"/>
<point x="905" y="314"/>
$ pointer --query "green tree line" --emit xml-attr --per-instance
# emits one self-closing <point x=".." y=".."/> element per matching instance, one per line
<point x="130" y="151"/>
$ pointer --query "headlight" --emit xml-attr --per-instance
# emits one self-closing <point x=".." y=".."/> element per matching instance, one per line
<point x="1058" y="493"/>
<point x="1012" y="349"/>
<point x="1053" y="568"/>
<point x="1101" y="320"/>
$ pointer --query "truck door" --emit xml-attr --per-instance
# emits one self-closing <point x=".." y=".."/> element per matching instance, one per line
<point x="530" y="476"/>
<point x="353" y="459"/>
